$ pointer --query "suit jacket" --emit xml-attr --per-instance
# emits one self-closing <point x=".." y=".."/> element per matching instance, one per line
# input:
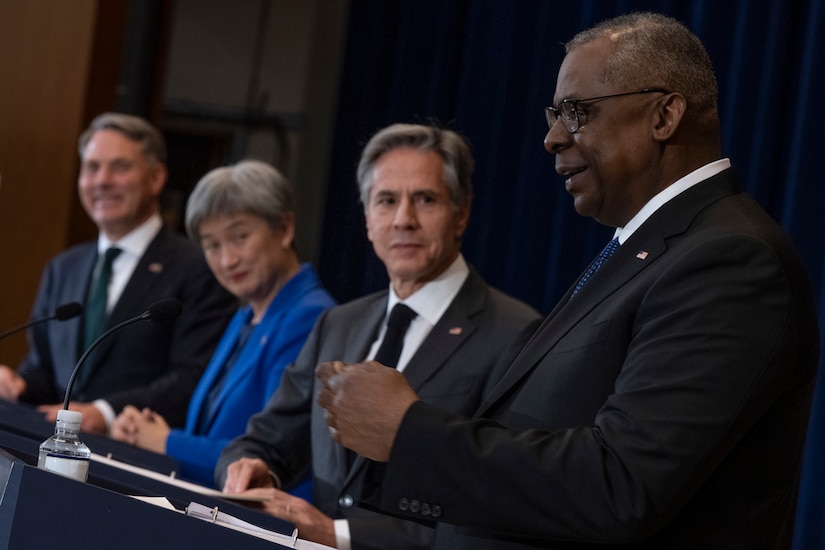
<point x="251" y="380"/>
<point x="147" y="364"/>
<point x="451" y="369"/>
<point x="664" y="406"/>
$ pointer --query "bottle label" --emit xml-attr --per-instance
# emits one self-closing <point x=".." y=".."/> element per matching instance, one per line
<point x="75" y="468"/>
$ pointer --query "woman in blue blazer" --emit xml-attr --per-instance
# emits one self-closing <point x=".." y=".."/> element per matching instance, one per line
<point x="242" y="216"/>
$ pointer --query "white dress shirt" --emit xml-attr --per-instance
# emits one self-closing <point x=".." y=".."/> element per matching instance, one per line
<point x="429" y="302"/>
<point x="133" y="246"/>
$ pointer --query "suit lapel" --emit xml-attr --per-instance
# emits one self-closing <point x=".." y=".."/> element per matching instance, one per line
<point x="643" y="248"/>
<point x="358" y="341"/>
<point x="147" y="272"/>
<point x="214" y="369"/>
<point x="67" y="342"/>
<point x="361" y="335"/>
<point x="451" y="331"/>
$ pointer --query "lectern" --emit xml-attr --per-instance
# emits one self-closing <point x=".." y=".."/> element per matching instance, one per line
<point x="39" y="509"/>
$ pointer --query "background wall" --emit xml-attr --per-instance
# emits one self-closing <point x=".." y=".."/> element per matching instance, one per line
<point x="45" y="60"/>
<point x="223" y="80"/>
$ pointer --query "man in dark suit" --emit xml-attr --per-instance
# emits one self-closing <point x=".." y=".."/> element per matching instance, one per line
<point x="122" y="174"/>
<point x="416" y="190"/>
<point x="664" y="403"/>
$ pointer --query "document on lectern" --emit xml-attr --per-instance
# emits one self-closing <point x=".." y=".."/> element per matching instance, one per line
<point x="213" y="515"/>
<point x="172" y="480"/>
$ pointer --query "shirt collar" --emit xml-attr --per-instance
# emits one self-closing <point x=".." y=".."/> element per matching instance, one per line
<point x="136" y="241"/>
<point x="433" y="299"/>
<point x="671" y="191"/>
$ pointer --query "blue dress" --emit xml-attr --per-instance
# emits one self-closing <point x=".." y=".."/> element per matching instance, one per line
<point x="239" y="380"/>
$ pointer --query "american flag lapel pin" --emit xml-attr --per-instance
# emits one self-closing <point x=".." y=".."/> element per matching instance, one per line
<point x="642" y="254"/>
<point x="456" y="331"/>
<point x="156" y="267"/>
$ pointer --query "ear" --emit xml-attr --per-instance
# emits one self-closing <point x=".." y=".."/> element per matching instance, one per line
<point x="668" y="115"/>
<point x="288" y="225"/>
<point x="159" y="176"/>
<point x="462" y="219"/>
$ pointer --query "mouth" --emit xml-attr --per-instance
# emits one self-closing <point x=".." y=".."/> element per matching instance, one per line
<point x="405" y="246"/>
<point x="568" y="173"/>
<point x="105" y="199"/>
<point x="237" y="277"/>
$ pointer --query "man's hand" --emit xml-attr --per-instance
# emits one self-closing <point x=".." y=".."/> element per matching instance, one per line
<point x="93" y="421"/>
<point x="12" y="385"/>
<point x="365" y="403"/>
<point x="247" y="473"/>
<point x="145" y="429"/>
<point x="312" y="524"/>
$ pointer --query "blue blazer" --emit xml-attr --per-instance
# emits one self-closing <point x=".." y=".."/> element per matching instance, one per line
<point x="274" y="343"/>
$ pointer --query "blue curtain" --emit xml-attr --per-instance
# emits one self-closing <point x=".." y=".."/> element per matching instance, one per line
<point x="486" y="68"/>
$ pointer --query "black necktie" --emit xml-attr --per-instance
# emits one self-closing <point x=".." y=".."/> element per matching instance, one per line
<point x="397" y="324"/>
<point x="94" y="316"/>
<point x="388" y="353"/>
<point x="603" y="256"/>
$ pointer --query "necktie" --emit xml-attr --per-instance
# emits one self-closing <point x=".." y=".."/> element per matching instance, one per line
<point x="388" y="353"/>
<point x="390" y="350"/>
<point x="603" y="256"/>
<point x="94" y="318"/>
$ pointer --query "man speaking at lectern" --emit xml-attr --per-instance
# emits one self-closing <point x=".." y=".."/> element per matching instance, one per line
<point x="135" y="262"/>
<point x="663" y="403"/>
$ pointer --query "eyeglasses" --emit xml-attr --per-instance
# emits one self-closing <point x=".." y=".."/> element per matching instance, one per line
<point x="573" y="119"/>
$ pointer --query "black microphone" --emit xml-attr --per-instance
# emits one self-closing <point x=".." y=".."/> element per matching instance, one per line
<point x="157" y="313"/>
<point x="61" y="313"/>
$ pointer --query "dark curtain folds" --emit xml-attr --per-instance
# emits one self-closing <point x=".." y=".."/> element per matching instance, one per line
<point x="486" y="68"/>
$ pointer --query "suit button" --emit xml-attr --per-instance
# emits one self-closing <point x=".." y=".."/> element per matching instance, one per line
<point x="345" y="501"/>
<point x="404" y="504"/>
<point x="436" y="511"/>
<point x="425" y="509"/>
<point x="415" y="506"/>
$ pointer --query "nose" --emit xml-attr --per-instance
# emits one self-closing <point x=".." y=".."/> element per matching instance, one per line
<point x="405" y="214"/>
<point x="557" y="138"/>
<point x="100" y="176"/>
<point x="229" y="256"/>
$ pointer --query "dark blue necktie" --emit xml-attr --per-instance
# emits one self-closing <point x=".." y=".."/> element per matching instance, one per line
<point x="603" y="256"/>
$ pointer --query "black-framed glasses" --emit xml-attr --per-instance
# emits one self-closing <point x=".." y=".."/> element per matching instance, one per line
<point x="573" y="119"/>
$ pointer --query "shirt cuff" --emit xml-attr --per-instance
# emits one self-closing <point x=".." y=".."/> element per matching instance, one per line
<point x="275" y="479"/>
<point x="107" y="411"/>
<point x="342" y="536"/>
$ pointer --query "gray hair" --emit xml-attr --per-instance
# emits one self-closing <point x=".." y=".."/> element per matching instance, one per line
<point x="451" y="147"/>
<point x="134" y="128"/>
<point x="651" y="50"/>
<point x="250" y="187"/>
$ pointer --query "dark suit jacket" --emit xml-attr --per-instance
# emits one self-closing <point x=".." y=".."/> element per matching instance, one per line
<point x="452" y="369"/>
<point x="147" y="364"/>
<point x="664" y="406"/>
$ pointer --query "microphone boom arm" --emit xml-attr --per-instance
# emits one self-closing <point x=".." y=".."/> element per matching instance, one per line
<point x="91" y="347"/>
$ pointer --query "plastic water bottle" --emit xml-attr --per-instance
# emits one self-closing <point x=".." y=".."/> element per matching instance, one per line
<point x="64" y="453"/>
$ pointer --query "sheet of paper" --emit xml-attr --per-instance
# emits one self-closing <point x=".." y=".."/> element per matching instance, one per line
<point x="161" y="502"/>
<point x="171" y="480"/>
<point x="214" y="515"/>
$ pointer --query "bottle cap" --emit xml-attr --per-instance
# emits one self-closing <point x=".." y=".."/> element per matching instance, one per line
<point x="69" y="417"/>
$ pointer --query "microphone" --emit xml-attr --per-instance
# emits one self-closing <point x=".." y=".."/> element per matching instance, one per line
<point x="157" y="313"/>
<point x="61" y="313"/>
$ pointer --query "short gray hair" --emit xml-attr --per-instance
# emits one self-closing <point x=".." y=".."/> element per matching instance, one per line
<point x="248" y="187"/>
<point x="135" y="128"/>
<point x="451" y="147"/>
<point x="655" y="51"/>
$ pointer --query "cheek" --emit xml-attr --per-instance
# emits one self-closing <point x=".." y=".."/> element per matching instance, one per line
<point x="214" y="265"/>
